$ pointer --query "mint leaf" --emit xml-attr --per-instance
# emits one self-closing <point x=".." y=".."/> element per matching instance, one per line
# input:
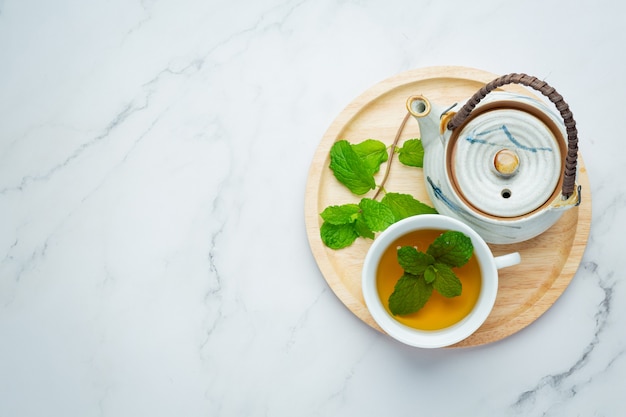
<point x="372" y="152"/>
<point x="405" y="205"/>
<point x="413" y="261"/>
<point x="409" y="295"/>
<point x="343" y="214"/>
<point x="446" y="282"/>
<point x="363" y="229"/>
<point x="349" y="168"/>
<point x="376" y="215"/>
<point x="424" y="272"/>
<point x="412" y="153"/>
<point x="452" y="248"/>
<point x="430" y="274"/>
<point x="338" y="236"/>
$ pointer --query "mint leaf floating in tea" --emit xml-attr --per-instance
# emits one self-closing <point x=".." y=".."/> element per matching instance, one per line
<point x="405" y="205"/>
<point x="424" y="272"/>
<point x="411" y="153"/>
<point x="444" y="280"/>
<point x="452" y="248"/>
<point x="410" y="294"/>
<point x="413" y="261"/>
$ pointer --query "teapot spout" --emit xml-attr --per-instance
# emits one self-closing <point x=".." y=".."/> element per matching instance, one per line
<point x="430" y="117"/>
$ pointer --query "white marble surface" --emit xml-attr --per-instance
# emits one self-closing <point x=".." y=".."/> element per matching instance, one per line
<point x="153" y="255"/>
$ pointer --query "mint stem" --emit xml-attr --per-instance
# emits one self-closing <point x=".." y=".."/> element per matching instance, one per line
<point x="392" y="151"/>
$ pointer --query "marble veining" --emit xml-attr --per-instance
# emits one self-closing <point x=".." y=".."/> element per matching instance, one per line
<point x="568" y="383"/>
<point x="153" y="256"/>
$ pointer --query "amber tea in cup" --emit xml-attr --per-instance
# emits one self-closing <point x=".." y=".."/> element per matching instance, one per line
<point x="441" y="322"/>
<point x="439" y="312"/>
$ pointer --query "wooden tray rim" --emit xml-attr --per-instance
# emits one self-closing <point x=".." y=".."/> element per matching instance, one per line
<point x="350" y="112"/>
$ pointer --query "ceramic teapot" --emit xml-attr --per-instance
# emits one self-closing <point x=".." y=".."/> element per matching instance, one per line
<point x="505" y="163"/>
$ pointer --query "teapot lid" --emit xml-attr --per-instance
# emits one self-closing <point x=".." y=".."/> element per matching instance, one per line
<point x="507" y="159"/>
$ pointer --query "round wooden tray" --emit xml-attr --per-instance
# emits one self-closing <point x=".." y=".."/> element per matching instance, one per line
<point x="526" y="291"/>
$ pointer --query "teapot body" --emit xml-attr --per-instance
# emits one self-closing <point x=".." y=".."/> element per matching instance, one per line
<point x="500" y="171"/>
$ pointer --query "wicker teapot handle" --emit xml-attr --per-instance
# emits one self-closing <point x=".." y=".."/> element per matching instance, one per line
<point x="548" y="91"/>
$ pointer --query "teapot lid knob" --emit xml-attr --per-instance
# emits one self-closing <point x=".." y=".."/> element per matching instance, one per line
<point x="507" y="159"/>
<point x="506" y="162"/>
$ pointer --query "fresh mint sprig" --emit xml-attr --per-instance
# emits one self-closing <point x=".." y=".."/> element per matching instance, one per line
<point x="345" y="223"/>
<point x="354" y="165"/>
<point x="425" y="271"/>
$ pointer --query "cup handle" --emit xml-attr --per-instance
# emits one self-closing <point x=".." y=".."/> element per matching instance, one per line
<point x="507" y="260"/>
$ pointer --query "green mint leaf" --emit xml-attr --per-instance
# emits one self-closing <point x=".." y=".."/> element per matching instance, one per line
<point x="373" y="153"/>
<point x="452" y="248"/>
<point x="405" y="205"/>
<point x="343" y="214"/>
<point x="338" y="236"/>
<point x="446" y="282"/>
<point x="412" y="153"/>
<point x="409" y="295"/>
<point x="363" y="229"/>
<point x="424" y="272"/>
<point x="413" y="261"/>
<point x="376" y="215"/>
<point x="349" y="168"/>
<point x="430" y="274"/>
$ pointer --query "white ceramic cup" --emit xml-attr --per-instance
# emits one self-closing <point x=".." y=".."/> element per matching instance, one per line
<point x="489" y="266"/>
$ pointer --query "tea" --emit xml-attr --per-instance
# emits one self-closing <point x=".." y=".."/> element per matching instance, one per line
<point x="439" y="312"/>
